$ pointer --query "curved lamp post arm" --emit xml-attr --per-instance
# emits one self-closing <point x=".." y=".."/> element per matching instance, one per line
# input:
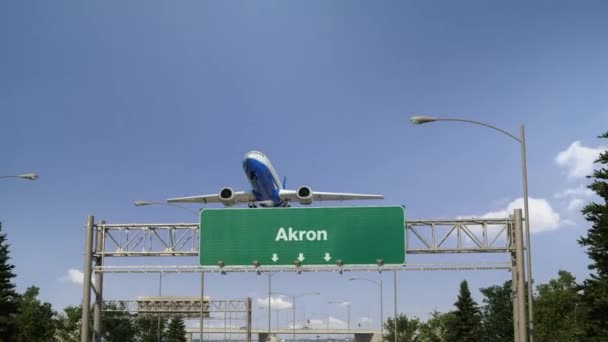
<point x="379" y="284"/>
<point x="29" y="176"/>
<point x="144" y="203"/>
<point x="293" y="307"/>
<point x="419" y="120"/>
<point x="371" y="281"/>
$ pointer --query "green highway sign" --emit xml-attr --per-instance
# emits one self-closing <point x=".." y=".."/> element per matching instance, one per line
<point x="306" y="236"/>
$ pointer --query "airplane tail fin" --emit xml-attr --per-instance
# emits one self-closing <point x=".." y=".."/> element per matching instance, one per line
<point x="284" y="182"/>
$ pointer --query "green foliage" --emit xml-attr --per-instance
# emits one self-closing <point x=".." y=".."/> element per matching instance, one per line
<point x="595" y="288"/>
<point x="497" y="313"/>
<point x="558" y="310"/>
<point x="466" y="323"/>
<point x="8" y="296"/>
<point x="118" y="325"/>
<point x="435" y="328"/>
<point x="36" y="320"/>
<point x="408" y="329"/>
<point x="68" y="324"/>
<point x="176" y="330"/>
<point x="148" y="328"/>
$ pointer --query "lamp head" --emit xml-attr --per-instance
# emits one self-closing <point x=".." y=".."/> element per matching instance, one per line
<point x="30" y="176"/>
<point x="141" y="203"/>
<point x="419" y="120"/>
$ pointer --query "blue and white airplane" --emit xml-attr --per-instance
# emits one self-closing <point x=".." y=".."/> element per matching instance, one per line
<point x="267" y="189"/>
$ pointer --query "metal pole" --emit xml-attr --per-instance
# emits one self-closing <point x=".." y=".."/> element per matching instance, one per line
<point x="269" y="307"/>
<point x="521" y="289"/>
<point x="86" y="284"/>
<point x="381" y="314"/>
<point x="395" y="295"/>
<point x="200" y="328"/>
<point x="349" y="318"/>
<point x="225" y="311"/>
<point x="514" y="297"/>
<point x="294" y="318"/>
<point x="248" y="319"/>
<point x="160" y="294"/>
<point x="527" y="246"/>
<point x="98" y="288"/>
<point x="513" y="278"/>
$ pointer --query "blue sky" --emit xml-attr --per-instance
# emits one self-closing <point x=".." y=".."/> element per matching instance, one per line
<point x="112" y="102"/>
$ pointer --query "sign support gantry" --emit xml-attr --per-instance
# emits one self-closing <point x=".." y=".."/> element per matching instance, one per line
<point x="182" y="239"/>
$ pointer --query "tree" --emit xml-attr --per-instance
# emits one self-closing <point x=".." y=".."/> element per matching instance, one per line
<point x="407" y="329"/>
<point x="466" y="323"/>
<point x="176" y="330"/>
<point x="435" y="328"/>
<point x="118" y="324"/>
<point x="148" y="328"/>
<point x="497" y="313"/>
<point x="558" y="310"/>
<point x="35" y="320"/>
<point x="68" y="324"/>
<point x="595" y="288"/>
<point x="8" y="295"/>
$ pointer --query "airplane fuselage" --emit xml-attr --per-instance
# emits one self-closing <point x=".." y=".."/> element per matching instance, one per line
<point x="265" y="182"/>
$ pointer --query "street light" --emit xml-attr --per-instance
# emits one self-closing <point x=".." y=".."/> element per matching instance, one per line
<point x="145" y="203"/>
<point x="348" y="306"/>
<point x="418" y="120"/>
<point x="293" y="301"/>
<point x="381" y="307"/>
<point x="200" y="329"/>
<point x="29" y="176"/>
<point x="161" y="274"/>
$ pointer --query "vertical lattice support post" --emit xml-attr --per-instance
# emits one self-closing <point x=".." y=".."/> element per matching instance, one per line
<point x="522" y="325"/>
<point x="248" y="306"/>
<point x="98" y="288"/>
<point x="86" y="284"/>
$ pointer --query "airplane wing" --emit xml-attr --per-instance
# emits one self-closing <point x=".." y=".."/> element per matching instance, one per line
<point x="292" y="195"/>
<point x="239" y="197"/>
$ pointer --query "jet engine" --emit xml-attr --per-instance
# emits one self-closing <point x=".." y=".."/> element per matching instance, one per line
<point x="304" y="194"/>
<point x="227" y="196"/>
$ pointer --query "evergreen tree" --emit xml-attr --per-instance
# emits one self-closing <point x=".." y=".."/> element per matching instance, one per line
<point x="497" y="313"/>
<point x="176" y="330"/>
<point x="466" y="323"/>
<point x="8" y="295"/>
<point x="35" y="320"/>
<point x="595" y="288"/>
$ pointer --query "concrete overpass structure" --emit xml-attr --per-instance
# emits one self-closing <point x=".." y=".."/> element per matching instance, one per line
<point x="358" y="335"/>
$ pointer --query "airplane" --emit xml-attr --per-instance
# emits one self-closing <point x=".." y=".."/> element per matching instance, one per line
<point x="267" y="190"/>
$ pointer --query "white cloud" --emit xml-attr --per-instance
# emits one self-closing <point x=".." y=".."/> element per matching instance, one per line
<point x="542" y="216"/>
<point x="575" y="204"/>
<point x="578" y="159"/>
<point x="336" y="323"/>
<point x="578" y="192"/>
<point x="276" y="303"/>
<point x="73" y="276"/>
<point x="568" y="223"/>
<point x="365" y="320"/>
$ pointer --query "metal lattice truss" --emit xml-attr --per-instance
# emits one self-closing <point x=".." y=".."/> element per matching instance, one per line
<point x="185" y="307"/>
<point x="459" y="236"/>
<point x="423" y="237"/>
<point x="171" y="239"/>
